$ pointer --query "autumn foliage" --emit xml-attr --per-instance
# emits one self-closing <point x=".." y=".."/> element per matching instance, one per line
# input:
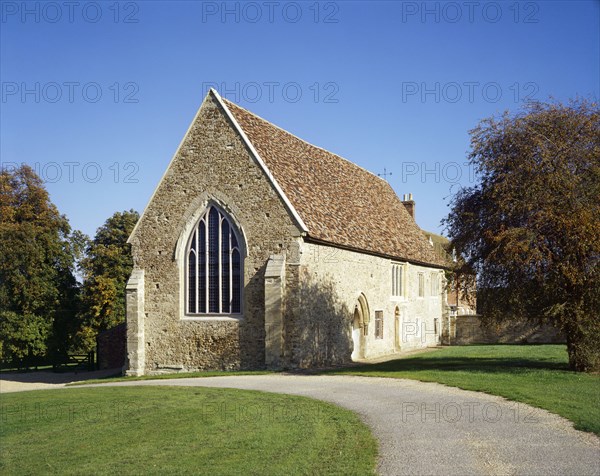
<point x="45" y="313"/>
<point x="531" y="226"/>
<point x="106" y="268"/>
<point x="37" y="285"/>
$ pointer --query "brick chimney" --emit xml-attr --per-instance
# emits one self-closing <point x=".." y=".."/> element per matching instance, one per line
<point x="409" y="204"/>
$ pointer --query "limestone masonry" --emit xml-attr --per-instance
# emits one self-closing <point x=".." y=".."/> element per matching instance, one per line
<point x="259" y="250"/>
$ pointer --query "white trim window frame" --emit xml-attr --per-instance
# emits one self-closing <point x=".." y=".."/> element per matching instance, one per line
<point x="398" y="280"/>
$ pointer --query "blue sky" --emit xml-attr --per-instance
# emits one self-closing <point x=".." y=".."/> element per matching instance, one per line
<point x="97" y="95"/>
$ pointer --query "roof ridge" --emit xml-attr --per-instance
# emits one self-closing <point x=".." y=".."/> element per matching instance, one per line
<point x="308" y="143"/>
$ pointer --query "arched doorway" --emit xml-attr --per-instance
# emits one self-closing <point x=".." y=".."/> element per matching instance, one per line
<point x="360" y="323"/>
<point x="356" y="335"/>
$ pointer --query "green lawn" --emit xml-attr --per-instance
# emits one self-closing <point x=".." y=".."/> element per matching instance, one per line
<point x="533" y="374"/>
<point x="158" y="430"/>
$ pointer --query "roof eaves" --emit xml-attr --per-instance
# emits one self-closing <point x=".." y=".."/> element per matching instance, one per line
<point x="318" y="241"/>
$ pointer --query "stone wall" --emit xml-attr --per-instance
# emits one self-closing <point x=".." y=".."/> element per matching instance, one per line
<point x="470" y="330"/>
<point x="331" y="281"/>
<point x="111" y="348"/>
<point x="212" y="165"/>
<point x="136" y="340"/>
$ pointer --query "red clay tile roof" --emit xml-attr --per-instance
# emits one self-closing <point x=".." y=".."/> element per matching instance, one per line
<point x="340" y="202"/>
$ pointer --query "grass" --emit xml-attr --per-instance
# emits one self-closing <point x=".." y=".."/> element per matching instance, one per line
<point x="189" y="430"/>
<point x="534" y="374"/>
<point x="210" y="373"/>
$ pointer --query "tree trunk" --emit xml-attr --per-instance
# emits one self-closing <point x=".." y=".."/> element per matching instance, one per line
<point x="583" y="345"/>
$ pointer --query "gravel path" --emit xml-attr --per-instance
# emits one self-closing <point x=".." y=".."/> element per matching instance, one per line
<point x="431" y="429"/>
<point x="44" y="380"/>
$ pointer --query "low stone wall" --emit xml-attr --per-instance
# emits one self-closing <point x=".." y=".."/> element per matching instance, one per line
<point x="111" y="347"/>
<point x="468" y="329"/>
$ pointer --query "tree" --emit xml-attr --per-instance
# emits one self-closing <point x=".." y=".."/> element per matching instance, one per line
<point x="23" y="335"/>
<point x="37" y="286"/>
<point x="531" y="226"/>
<point x="106" y="268"/>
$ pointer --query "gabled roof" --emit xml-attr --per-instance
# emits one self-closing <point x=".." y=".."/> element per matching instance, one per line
<point x="441" y="246"/>
<point x="333" y="200"/>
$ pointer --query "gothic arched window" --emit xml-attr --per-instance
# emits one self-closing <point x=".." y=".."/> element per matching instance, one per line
<point x="214" y="266"/>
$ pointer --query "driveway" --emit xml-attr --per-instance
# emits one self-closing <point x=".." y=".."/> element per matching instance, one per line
<point x="431" y="429"/>
<point x="42" y="380"/>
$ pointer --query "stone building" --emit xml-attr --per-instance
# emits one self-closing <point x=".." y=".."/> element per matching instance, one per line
<point x="461" y="285"/>
<point x="259" y="250"/>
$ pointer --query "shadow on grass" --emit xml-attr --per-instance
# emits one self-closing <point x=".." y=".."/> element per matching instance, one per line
<point x="175" y="375"/>
<point x="455" y="364"/>
<point x="48" y="376"/>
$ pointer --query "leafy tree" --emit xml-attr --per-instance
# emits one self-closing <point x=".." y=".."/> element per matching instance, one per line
<point x="531" y="227"/>
<point x="106" y="268"/>
<point x="23" y="335"/>
<point x="37" y="286"/>
<point x="79" y="242"/>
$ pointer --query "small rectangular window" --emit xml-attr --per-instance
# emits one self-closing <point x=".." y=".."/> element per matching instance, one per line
<point x="435" y="284"/>
<point x="379" y="324"/>
<point x="421" y="278"/>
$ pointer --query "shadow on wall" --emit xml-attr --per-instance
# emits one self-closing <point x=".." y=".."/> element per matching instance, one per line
<point x="322" y="333"/>
<point x="251" y="333"/>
